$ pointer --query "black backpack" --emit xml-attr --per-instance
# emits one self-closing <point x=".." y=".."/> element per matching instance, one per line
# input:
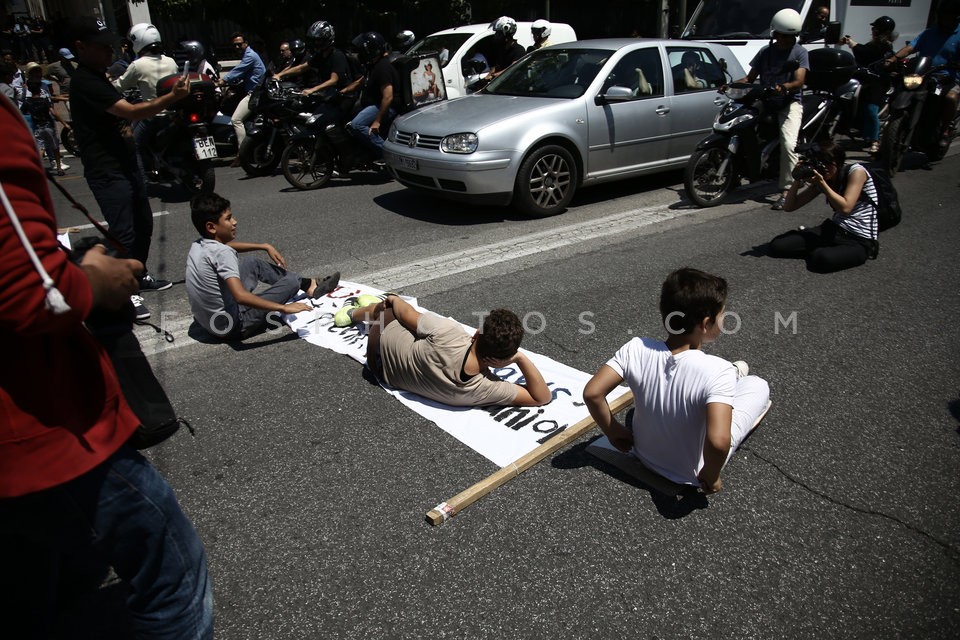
<point x="888" y="204"/>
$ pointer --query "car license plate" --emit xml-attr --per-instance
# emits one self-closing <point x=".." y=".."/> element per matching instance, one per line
<point x="205" y="148"/>
<point x="408" y="163"/>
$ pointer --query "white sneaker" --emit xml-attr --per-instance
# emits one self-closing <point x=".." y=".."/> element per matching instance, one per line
<point x="743" y="369"/>
<point x="140" y="310"/>
<point x="64" y="166"/>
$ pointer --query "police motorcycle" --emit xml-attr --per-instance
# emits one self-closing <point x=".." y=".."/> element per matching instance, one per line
<point x="278" y="110"/>
<point x="178" y="146"/>
<point x="745" y="143"/>
<point x="913" y="114"/>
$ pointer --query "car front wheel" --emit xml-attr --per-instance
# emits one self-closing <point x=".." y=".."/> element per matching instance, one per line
<point x="546" y="181"/>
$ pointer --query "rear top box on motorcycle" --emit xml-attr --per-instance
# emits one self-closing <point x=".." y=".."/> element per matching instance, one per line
<point x="421" y="81"/>
<point x="830" y="68"/>
<point x="202" y="99"/>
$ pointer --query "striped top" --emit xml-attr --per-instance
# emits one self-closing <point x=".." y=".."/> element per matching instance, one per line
<point x="862" y="221"/>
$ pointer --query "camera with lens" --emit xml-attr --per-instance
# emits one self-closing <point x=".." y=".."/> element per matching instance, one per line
<point x="809" y="162"/>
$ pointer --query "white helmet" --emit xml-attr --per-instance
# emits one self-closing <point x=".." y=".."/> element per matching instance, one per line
<point x="540" y="29"/>
<point x="504" y="26"/>
<point x="143" y="35"/>
<point x="787" y="22"/>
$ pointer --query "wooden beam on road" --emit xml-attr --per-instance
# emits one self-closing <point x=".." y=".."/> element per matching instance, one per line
<point x="446" y="510"/>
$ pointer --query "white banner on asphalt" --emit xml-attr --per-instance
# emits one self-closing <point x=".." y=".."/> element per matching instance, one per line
<point x="501" y="434"/>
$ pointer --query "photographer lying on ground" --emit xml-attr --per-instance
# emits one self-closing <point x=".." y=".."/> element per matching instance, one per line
<point x="850" y="237"/>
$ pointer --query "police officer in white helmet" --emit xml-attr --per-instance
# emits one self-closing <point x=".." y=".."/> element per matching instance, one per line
<point x="540" y="30"/>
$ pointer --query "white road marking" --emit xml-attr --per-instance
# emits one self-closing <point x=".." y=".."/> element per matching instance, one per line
<point x="433" y="268"/>
<point x="81" y="227"/>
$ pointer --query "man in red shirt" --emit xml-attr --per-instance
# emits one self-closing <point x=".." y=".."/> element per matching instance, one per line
<point x="69" y="486"/>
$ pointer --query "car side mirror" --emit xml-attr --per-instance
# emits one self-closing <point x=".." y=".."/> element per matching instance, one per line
<point x="832" y="33"/>
<point x="614" y="94"/>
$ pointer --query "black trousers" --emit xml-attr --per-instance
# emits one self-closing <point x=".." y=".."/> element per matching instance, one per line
<point x="826" y="248"/>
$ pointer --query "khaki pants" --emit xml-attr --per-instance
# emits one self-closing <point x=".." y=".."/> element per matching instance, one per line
<point x="242" y="112"/>
<point x="790" y="119"/>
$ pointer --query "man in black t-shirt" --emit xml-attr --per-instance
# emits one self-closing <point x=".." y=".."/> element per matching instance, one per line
<point x="325" y="72"/>
<point x="506" y="50"/>
<point x="109" y="162"/>
<point x="379" y="86"/>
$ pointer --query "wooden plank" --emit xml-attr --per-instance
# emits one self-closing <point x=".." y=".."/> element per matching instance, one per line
<point x="446" y="510"/>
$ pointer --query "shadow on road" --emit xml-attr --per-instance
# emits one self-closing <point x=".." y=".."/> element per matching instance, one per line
<point x="670" y="507"/>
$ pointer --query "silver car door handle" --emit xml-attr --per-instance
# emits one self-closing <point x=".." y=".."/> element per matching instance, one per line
<point x="662" y="110"/>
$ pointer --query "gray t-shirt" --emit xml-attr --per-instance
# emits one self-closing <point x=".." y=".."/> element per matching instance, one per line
<point x="209" y="264"/>
<point x="771" y="59"/>
<point x="429" y="363"/>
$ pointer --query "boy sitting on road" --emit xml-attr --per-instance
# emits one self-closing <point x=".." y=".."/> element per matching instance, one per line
<point x="692" y="410"/>
<point x="435" y="358"/>
<point x="220" y="284"/>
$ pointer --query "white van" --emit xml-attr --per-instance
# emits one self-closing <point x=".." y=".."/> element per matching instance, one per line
<point x="460" y="44"/>
<point x="744" y="25"/>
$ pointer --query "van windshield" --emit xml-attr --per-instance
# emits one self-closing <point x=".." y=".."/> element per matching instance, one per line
<point x="744" y="19"/>
<point x="445" y="44"/>
<point x="551" y="73"/>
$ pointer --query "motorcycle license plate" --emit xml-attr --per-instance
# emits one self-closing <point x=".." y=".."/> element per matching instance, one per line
<point x="408" y="163"/>
<point x="205" y="148"/>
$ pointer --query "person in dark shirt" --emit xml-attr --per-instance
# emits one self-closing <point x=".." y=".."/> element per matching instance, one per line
<point x="506" y="50"/>
<point x="379" y="86"/>
<point x="325" y="72"/>
<point x="879" y="48"/>
<point x="109" y="161"/>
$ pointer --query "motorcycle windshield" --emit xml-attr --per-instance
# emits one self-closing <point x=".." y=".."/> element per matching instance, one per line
<point x="735" y="19"/>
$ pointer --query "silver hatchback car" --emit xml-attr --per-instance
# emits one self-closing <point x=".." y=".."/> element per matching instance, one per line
<point x="573" y="114"/>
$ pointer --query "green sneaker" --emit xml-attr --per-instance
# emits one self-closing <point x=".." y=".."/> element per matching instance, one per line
<point x="367" y="299"/>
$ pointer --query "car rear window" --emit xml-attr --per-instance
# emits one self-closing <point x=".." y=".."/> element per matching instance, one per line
<point x="553" y="72"/>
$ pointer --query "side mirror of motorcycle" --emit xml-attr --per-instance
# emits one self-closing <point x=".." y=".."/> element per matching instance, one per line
<point x="832" y="33"/>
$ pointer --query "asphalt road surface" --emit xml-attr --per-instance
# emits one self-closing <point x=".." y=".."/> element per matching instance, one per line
<point x="839" y="517"/>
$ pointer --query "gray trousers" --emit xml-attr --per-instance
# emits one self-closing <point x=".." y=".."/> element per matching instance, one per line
<point x="283" y="285"/>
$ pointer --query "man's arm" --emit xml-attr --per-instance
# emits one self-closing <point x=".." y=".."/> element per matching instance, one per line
<point x="237" y="72"/>
<point x="716" y="446"/>
<point x="534" y="392"/>
<point x="289" y="71"/>
<point x="386" y="100"/>
<point x="143" y="110"/>
<point x="329" y="82"/>
<point x="241" y="247"/>
<point x="595" y="395"/>
<point x="404" y="312"/>
<point x="129" y="78"/>
<point x="244" y="297"/>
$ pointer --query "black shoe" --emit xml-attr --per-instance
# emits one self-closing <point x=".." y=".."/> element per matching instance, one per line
<point x="326" y="284"/>
<point x="149" y="283"/>
<point x="140" y="310"/>
<point x="778" y="205"/>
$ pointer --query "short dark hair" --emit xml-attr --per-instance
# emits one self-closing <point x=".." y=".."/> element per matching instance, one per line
<point x="7" y="71"/>
<point x="207" y="207"/>
<point x="501" y="335"/>
<point x="831" y="152"/>
<point x="692" y="294"/>
<point x="238" y="34"/>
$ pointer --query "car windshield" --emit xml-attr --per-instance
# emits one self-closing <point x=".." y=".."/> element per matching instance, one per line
<point x="444" y="44"/>
<point x="747" y="19"/>
<point x="551" y="73"/>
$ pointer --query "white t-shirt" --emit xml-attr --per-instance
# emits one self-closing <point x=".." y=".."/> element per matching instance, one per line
<point x="671" y="393"/>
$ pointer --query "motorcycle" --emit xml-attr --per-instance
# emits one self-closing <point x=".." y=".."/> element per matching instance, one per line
<point x="745" y="142"/>
<point x="913" y="115"/>
<point x="276" y="107"/>
<point x="321" y="149"/>
<point x="177" y="145"/>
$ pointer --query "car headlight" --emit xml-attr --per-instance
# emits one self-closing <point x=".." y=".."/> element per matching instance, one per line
<point x="912" y="82"/>
<point x="459" y="143"/>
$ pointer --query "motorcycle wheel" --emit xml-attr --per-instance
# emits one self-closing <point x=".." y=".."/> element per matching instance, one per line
<point x="893" y="144"/>
<point x="69" y="141"/>
<point x="704" y="185"/>
<point x="258" y="157"/>
<point x="204" y="181"/>
<point x="307" y="165"/>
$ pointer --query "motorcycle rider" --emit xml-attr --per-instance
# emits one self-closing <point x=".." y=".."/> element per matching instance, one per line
<point x="150" y="66"/>
<point x="249" y="72"/>
<point x="768" y="66"/>
<point x="194" y="53"/>
<point x="380" y="83"/>
<point x="109" y="164"/>
<point x="874" y="89"/>
<point x="942" y="43"/>
<point x="403" y="40"/>
<point x="540" y="30"/>
<point x="330" y="67"/>
<point x="506" y="48"/>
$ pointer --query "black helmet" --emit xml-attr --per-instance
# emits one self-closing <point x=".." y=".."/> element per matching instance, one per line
<point x="370" y="47"/>
<point x="191" y="51"/>
<point x="884" y="24"/>
<point x="297" y="46"/>
<point x="320" y="34"/>
<point x="404" y="39"/>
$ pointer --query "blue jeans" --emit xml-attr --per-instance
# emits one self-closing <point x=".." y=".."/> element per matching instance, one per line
<point x="122" y="514"/>
<point x="871" y="122"/>
<point x="361" y="125"/>
<point x="283" y="284"/>
<point x="123" y="200"/>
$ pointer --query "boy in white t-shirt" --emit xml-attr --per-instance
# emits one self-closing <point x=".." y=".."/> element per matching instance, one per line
<point x="692" y="410"/>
